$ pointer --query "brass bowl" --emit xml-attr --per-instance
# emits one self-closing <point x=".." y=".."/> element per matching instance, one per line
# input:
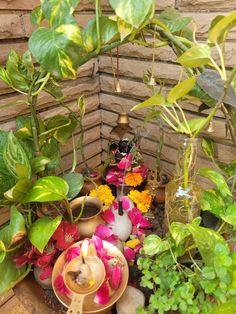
<point x="90" y="306"/>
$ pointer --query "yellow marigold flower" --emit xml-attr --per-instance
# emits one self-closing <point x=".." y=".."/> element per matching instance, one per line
<point x="132" y="243"/>
<point x="141" y="199"/>
<point x="103" y="192"/>
<point x="133" y="179"/>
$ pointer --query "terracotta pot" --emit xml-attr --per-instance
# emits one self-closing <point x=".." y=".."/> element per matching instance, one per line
<point x="90" y="184"/>
<point x="90" y="217"/>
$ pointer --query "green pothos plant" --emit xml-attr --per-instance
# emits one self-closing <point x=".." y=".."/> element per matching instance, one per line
<point x="30" y="155"/>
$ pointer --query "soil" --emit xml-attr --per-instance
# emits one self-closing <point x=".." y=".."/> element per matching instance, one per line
<point x="89" y="211"/>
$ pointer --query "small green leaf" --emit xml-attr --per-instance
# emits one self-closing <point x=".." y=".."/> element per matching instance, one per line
<point x="195" y="125"/>
<point x="179" y="232"/>
<point x="15" y="230"/>
<point x="4" y="76"/>
<point x="156" y="100"/>
<point x="174" y="20"/>
<point x="219" y="32"/>
<point x="51" y="150"/>
<point x="36" y="16"/>
<point x="133" y="12"/>
<point x="217" y="179"/>
<point x="181" y="90"/>
<point x="195" y="56"/>
<point x="212" y="201"/>
<point x="38" y="164"/>
<point x="47" y="189"/>
<point x="229" y="307"/>
<point x="10" y="275"/>
<point x="19" y="191"/>
<point x="208" y="147"/>
<point x="75" y="182"/>
<point x="108" y="33"/>
<point x="229" y="215"/>
<point x="153" y="245"/>
<point x="42" y="230"/>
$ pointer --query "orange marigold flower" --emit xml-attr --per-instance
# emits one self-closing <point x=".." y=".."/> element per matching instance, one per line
<point x="141" y="199"/>
<point x="103" y="192"/>
<point x="133" y="179"/>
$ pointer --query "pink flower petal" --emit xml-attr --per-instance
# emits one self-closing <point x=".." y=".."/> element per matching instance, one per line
<point x="129" y="254"/>
<point x="137" y="218"/>
<point x="125" y="202"/>
<point x="60" y="285"/>
<point x="72" y="253"/>
<point x="103" y="232"/>
<point x="102" y="295"/>
<point x="46" y="273"/>
<point x="97" y="242"/>
<point x="137" y="248"/>
<point x="115" y="277"/>
<point x="125" y="162"/>
<point x="108" y="216"/>
<point x="142" y="169"/>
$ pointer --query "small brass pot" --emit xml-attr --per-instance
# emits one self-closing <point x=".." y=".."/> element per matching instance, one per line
<point x="91" y="216"/>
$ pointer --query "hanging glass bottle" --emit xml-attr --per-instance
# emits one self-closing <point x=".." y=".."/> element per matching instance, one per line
<point x="182" y="193"/>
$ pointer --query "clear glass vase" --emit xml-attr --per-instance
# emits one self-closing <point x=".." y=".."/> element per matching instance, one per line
<point x="182" y="193"/>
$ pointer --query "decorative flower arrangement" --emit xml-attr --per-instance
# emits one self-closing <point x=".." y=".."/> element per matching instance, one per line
<point x="139" y="224"/>
<point x="103" y="192"/>
<point x="113" y="268"/>
<point x="65" y="235"/>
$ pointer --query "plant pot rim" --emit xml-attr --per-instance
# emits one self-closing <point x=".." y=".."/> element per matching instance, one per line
<point x="79" y="200"/>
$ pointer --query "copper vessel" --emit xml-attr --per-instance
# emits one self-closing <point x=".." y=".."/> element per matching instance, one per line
<point x="90" y="217"/>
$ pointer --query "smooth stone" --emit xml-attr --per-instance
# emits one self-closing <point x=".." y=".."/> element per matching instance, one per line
<point x="131" y="299"/>
<point x="122" y="226"/>
<point x="45" y="284"/>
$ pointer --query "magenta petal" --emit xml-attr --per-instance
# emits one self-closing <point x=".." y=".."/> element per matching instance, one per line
<point x="115" y="278"/>
<point x="60" y="285"/>
<point x="102" y="295"/>
<point x="103" y="232"/>
<point x="72" y="253"/>
<point x="125" y="162"/>
<point x="125" y="202"/>
<point x="129" y="254"/>
<point x="137" y="248"/>
<point x="97" y="242"/>
<point x="108" y="216"/>
<point x="46" y="273"/>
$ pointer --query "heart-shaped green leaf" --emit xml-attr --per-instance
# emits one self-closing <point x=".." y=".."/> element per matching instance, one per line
<point x="2" y="251"/>
<point x="39" y="163"/>
<point x="181" y="89"/>
<point x="57" y="50"/>
<point x="19" y="191"/>
<point x="174" y="20"/>
<point x="75" y="182"/>
<point x="10" y="275"/>
<point x="195" y="125"/>
<point x="217" y="179"/>
<point x="42" y="230"/>
<point x="195" y="56"/>
<point x="133" y="12"/>
<point x="153" y="245"/>
<point x="47" y="189"/>
<point x="108" y="32"/>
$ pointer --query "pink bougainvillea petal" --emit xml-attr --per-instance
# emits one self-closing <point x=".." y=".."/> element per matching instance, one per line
<point x="137" y="218"/>
<point x="115" y="205"/>
<point x="137" y="248"/>
<point x="97" y="242"/>
<point x="46" y="273"/>
<point x="142" y="169"/>
<point x="112" y="239"/>
<point x="72" y="253"/>
<point x="115" y="277"/>
<point x="102" y="296"/>
<point x="103" y="232"/>
<point x="60" y="285"/>
<point x="108" y="216"/>
<point x="129" y="254"/>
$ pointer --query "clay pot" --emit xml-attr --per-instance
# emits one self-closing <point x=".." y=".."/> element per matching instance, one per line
<point x="90" y="184"/>
<point x="90" y="217"/>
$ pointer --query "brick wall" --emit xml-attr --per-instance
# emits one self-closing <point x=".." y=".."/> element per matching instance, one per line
<point x="15" y="29"/>
<point x="135" y="60"/>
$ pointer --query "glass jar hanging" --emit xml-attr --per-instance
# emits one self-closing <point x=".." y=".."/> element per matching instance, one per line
<point x="182" y="193"/>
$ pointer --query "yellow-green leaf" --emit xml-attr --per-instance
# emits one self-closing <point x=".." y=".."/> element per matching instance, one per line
<point x="156" y="100"/>
<point x="181" y="89"/>
<point x="195" y="56"/>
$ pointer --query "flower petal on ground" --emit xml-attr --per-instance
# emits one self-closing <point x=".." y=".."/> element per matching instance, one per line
<point x="102" y="295"/>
